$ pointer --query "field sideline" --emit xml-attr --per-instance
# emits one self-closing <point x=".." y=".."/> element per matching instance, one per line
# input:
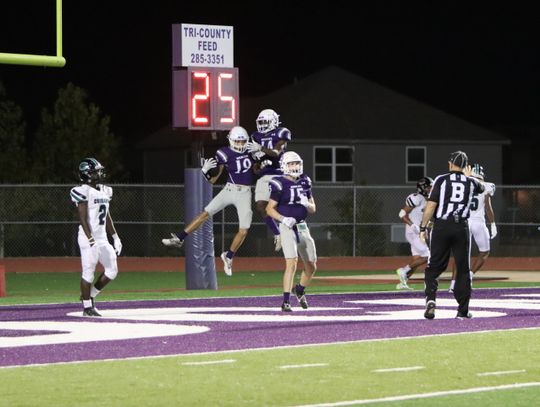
<point x="356" y="345"/>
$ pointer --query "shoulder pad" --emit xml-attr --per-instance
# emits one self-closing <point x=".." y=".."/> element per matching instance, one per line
<point x="79" y="193"/>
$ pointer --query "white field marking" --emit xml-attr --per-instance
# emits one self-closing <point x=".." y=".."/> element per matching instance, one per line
<point x="424" y="395"/>
<point x="209" y="362"/>
<point x="58" y="332"/>
<point x="510" y="303"/>
<point x="399" y="369"/>
<point x="503" y="372"/>
<point x="33" y="304"/>
<point x="302" y="366"/>
<point x="307" y="345"/>
<point x="270" y="314"/>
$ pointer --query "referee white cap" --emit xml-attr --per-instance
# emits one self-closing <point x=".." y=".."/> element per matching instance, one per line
<point x="459" y="158"/>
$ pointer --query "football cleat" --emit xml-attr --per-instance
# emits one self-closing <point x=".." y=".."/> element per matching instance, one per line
<point x="430" y="310"/>
<point x="301" y="298"/>
<point x="462" y="315"/>
<point x="277" y="242"/>
<point x="286" y="307"/>
<point x="402" y="275"/>
<point x="227" y="264"/>
<point x="174" y="241"/>
<point x="90" y="312"/>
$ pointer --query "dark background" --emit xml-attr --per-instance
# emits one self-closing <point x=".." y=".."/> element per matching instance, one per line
<point x="479" y="62"/>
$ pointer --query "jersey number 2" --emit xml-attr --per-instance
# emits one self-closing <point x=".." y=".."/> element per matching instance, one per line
<point x="102" y="214"/>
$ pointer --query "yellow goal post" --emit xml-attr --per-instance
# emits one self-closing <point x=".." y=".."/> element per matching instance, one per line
<point x="57" y="61"/>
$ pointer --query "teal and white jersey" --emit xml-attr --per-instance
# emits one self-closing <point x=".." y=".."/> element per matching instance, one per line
<point x="478" y="203"/>
<point x="98" y="207"/>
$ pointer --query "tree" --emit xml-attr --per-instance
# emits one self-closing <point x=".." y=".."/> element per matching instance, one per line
<point x="75" y="129"/>
<point x="13" y="155"/>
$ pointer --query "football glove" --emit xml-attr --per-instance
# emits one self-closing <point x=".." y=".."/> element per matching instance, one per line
<point x="265" y="163"/>
<point x="304" y="201"/>
<point x="208" y="164"/>
<point x="493" y="228"/>
<point x="289" y="222"/>
<point x="117" y="243"/>
<point x="253" y="147"/>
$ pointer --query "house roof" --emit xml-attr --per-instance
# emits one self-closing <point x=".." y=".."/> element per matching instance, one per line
<point x="336" y="104"/>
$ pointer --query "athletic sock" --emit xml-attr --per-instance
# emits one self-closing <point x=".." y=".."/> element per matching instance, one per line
<point x="286" y="297"/>
<point x="87" y="303"/>
<point x="229" y="254"/>
<point x="182" y="235"/>
<point x="94" y="292"/>
<point x="271" y="223"/>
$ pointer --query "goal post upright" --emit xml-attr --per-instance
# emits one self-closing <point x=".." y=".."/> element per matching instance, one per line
<point x="57" y="61"/>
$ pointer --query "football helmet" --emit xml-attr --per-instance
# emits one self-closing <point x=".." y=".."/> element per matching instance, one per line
<point x="459" y="158"/>
<point x="91" y="170"/>
<point x="423" y="186"/>
<point x="291" y="164"/>
<point x="267" y="120"/>
<point x="238" y="139"/>
<point x="478" y="171"/>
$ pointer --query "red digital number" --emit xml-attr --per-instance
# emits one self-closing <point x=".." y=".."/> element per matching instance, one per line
<point x="200" y="98"/>
<point x="227" y="109"/>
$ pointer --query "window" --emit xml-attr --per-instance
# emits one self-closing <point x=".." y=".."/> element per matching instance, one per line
<point x="415" y="158"/>
<point x="333" y="164"/>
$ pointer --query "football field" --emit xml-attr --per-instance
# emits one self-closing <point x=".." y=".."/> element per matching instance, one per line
<point x="355" y="345"/>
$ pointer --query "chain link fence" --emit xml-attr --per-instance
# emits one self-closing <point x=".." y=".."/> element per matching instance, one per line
<point x="41" y="220"/>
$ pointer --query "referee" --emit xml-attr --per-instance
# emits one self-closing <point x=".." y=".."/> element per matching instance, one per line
<point x="448" y="205"/>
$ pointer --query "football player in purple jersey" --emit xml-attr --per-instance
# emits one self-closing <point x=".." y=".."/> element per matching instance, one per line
<point x="237" y="191"/>
<point x="290" y="203"/>
<point x="268" y="143"/>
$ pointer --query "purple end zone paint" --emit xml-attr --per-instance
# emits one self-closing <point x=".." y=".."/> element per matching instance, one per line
<point x="232" y="335"/>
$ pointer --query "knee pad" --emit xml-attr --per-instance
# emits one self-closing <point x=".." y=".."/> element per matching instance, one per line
<point x="111" y="272"/>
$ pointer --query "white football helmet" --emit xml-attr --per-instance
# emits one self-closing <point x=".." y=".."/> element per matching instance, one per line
<point x="238" y="139"/>
<point x="267" y="120"/>
<point x="291" y="164"/>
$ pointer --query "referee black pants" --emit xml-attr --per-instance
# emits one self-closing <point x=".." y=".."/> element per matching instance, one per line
<point x="448" y="237"/>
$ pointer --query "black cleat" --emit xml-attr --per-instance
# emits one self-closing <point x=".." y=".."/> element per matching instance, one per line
<point x="301" y="298"/>
<point x="90" y="312"/>
<point x="430" y="310"/>
<point x="464" y="315"/>
<point x="286" y="307"/>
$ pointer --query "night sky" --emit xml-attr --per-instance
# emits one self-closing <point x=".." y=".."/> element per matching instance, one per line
<point x="480" y="63"/>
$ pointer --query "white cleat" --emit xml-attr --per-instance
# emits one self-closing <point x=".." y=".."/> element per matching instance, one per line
<point x="402" y="275"/>
<point x="277" y="242"/>
<point x="174" y="241"/>
<point x="227" y="264"/>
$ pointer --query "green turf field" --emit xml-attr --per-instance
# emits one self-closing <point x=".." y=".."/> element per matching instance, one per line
<point x="472" y="369"/>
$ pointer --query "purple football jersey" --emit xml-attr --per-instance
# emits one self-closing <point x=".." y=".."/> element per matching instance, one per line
<point x="269" y="140"/>
<point x="239" y="165"/>
<point x="287" y="194"/>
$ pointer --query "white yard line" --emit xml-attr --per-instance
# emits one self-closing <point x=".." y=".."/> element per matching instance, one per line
<point x="209" y="362"/>
<point x="302" y="366"/>
<point x="398" y="369"/>
<point x="503" y="372"/>
<point x="424" y="395"/>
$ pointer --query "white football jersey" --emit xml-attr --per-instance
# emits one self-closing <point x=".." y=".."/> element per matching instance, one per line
<point x="98" y="207"/>
<point x="478" y="203"/>
<point x="418" y="203"/>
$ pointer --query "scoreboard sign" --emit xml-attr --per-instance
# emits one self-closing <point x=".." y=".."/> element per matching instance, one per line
<point x="205" y="95"/>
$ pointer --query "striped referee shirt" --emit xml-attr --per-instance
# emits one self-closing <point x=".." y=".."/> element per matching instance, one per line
<point x="453" y="193"/>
